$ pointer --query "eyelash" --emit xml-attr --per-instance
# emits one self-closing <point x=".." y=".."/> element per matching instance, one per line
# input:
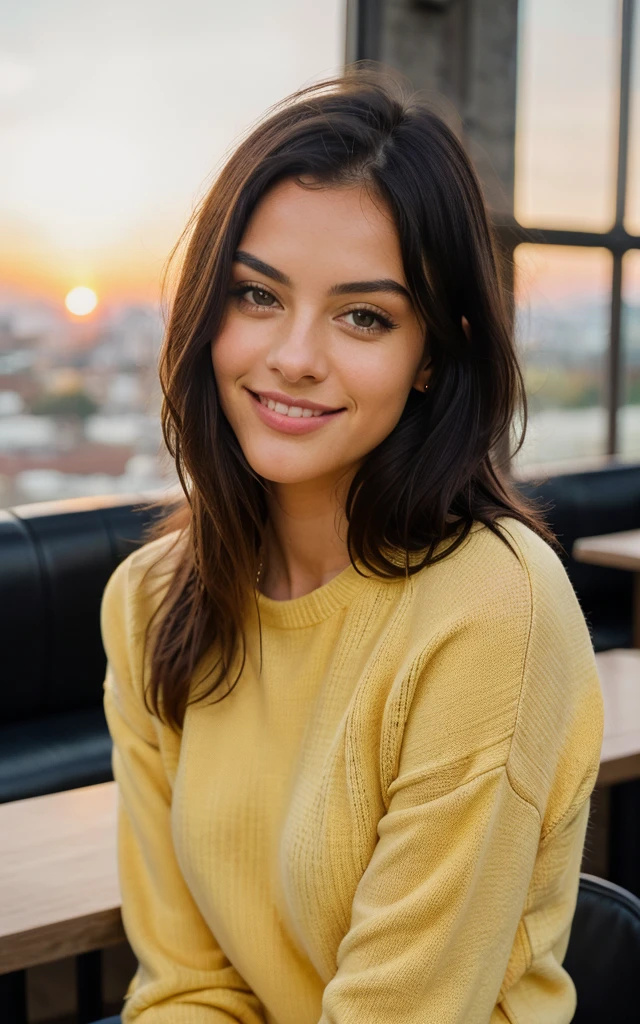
<point x="384" y="321"/>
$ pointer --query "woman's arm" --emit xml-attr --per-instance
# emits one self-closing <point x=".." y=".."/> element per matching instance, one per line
<point x="183" y="976"/>
<point x="461" y="916"/>
<point x="463" y="913"/>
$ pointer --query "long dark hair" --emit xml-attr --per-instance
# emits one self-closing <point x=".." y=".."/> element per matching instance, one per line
<point x="435" y="474"/>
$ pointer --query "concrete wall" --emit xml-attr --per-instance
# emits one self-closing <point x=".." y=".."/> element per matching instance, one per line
<point x="461" y="55"/>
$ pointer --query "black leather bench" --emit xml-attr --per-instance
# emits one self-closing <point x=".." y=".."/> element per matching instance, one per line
<point x="584" y="505"/>
<point x="56" y="557"/>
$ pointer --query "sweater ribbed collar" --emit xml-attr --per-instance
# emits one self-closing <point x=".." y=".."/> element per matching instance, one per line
<point x="318" y="604"/>
<point x="322" y="602"/>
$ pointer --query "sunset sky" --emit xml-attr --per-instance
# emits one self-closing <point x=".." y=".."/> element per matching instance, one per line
<point x="114" y="118"/>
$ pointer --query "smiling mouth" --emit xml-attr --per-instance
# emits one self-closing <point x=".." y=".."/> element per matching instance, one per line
<point x="292" y="411"/>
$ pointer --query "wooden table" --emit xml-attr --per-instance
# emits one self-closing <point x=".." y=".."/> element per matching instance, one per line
<point x="619" y="672"/>
<point x="59" y="892"/>
<point x="617" y="551"/>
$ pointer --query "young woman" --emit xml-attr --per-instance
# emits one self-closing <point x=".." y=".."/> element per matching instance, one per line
<point x="353" y="699"/>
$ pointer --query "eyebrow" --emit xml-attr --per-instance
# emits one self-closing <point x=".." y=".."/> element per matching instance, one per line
<point x="385" y="284"/>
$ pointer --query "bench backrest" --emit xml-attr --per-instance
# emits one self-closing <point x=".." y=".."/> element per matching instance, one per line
<point x="584" y="505"/>
<point x="55" y="559"/>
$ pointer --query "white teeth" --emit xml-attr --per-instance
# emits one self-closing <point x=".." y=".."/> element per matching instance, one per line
<point x="289" y="410"/>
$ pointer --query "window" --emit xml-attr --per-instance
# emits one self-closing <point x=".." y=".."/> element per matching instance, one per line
<point x="562" y="327"/>
<point x="566" y="115"/>
<point x="577" y="229"/>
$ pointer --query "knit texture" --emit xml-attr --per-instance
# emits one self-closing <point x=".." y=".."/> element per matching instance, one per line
<point x="386" y="823"/>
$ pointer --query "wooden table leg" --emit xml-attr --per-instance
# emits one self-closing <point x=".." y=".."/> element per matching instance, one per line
<point x="89" y="986"/>
<point x="636" y="609"/>
<point x="13" y="997"/>
<point x="624" y="835"/>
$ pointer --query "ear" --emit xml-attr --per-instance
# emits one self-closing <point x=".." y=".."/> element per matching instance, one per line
<point x="466" y="328"/>
<point x="422" y="377"/>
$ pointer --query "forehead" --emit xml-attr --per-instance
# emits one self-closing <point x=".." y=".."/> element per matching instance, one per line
<point x="334" y="231"/>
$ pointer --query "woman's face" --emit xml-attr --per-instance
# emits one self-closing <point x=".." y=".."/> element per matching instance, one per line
<point x="320" y="345"/>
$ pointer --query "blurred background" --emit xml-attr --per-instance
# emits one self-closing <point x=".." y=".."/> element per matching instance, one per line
<point x="115" y="117"/>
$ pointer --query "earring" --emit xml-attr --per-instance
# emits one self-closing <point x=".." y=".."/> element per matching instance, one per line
<point x="426" y="386"/>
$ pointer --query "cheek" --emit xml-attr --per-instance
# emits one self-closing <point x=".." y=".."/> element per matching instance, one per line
<point x="382" y="380"/>
<point x="380" y="388"/>
<point x="227" y="355"/>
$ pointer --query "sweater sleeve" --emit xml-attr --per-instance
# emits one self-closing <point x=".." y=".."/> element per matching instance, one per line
<point x="463" y="913"/>
<point x="438" y="927"/>
<point x="183" y="977"/>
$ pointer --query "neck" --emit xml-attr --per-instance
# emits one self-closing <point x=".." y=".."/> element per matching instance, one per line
<point x="305" y="542"/>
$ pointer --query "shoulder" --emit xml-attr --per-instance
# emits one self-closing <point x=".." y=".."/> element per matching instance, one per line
<point x="528" y="555"/>
<point x="136" y="587"/>
<point x="152" y="559"/>
<point x="512" y="604"/>
<point x="506" y="579"/>
<point x="555" y="751"/>
<point x="506" y="673"/>
<point x="522" y="617"/>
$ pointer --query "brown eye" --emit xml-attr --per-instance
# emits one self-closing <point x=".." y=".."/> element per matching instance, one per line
<point x="261" y="297"/>
<point x="252" y="295"/>
<point x="368" y="322"/>
<point x="362" y="318"/>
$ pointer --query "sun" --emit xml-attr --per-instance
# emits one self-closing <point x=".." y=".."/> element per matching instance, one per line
<point x="81" y="301"/>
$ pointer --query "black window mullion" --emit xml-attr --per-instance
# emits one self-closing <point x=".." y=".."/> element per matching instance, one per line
<point x="369" y="22"/>
<point x="614" y="356"/>
<point x="614" y="374"/>
<point x="626" y="56"/>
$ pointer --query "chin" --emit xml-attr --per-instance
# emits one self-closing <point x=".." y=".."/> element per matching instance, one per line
<point x="290" y="468"/>
<point x="277" y="473"/>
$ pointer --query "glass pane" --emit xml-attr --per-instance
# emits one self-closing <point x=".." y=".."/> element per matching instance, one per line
<point x="632" y="217"/>
<point x="566" y="127"/>
<point x="629" y="414"/>
<point x="562" y="327"/>
<point x="113" y="118"/>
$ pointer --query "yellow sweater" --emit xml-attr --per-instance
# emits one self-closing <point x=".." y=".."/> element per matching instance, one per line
<point x="386" y="825"/>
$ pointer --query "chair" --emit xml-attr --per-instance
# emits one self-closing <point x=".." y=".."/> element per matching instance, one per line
<point x="603" y="957"/>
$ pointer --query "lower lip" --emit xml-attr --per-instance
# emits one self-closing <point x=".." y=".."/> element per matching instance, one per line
<point x="291" y="424"/>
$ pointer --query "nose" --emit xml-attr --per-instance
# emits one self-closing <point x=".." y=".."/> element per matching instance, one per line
<point x="297" y="351"/>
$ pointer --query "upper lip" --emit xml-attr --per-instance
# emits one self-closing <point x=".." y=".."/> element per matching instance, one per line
<point x="302" y="403"/>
